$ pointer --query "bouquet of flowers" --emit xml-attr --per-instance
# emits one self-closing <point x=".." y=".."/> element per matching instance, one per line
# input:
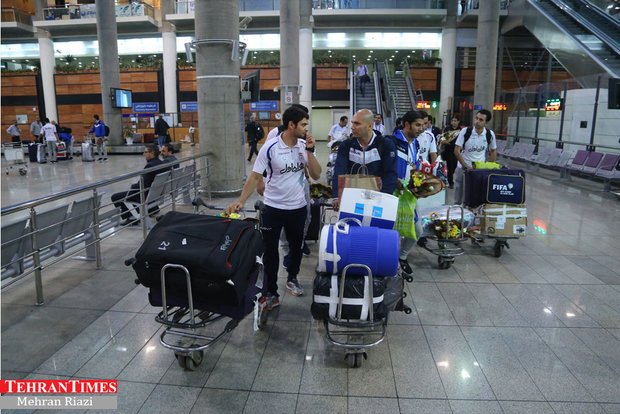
<point x="423" y="184"/>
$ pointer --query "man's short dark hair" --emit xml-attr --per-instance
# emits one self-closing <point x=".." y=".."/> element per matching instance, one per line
<point x="424" y="113"/>
<point x="411" y="116"/>
<point x="294" y="115"/>
<point x="152" y="148"/>
<point x="96" y="117"/>
<point x="169" y="147"/>
<point x="46" y="120"/>
<point x="486" y="113"/>
<point x="300" y="106"/>
<point x="344" y="118"/>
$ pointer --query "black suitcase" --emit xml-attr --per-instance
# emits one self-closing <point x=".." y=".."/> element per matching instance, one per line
<point x="477" y="191"/>
<point x="209" y="300"/>
<point x="32" y="152"/>
<point x="314" y="229"/>
<point x="353" y="289"/>
<point x="219" y="254"/>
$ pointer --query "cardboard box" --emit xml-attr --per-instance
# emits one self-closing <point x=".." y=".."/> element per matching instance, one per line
<point x="508" y="220"/>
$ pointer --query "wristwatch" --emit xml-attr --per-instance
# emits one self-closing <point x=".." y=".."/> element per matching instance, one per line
<point x="310" y="149"/>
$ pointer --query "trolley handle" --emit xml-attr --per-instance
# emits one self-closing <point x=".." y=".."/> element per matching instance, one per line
<point x="198" y="202"/>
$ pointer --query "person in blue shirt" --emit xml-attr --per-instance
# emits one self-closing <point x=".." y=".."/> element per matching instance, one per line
<point x="366" y="148"/>
<point x="100" y="138"/>
<point x="407" y="147"/>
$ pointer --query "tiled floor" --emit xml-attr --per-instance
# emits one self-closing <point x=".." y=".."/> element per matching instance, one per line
<point x="534" y="331"/>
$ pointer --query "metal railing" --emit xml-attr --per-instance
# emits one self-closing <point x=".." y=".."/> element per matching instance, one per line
<point x="12" y="14"/>
<point x="88" y="11"/>
<point x="182" y="182"/>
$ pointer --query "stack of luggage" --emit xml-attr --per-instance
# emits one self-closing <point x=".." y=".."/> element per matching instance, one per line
<point x="363" y="235"/>
<point x="498" y="198"/>
<point x="222" y="256"/>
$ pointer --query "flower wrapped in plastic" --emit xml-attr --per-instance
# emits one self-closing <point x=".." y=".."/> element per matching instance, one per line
<point x="320" y="191"/>
<point x="423" y="184"/>
<point x="447" y="229"/>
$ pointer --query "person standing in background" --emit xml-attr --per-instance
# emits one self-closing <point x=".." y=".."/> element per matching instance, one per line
<point x="447" y="144"/>
<point x="161" y="130"/>
<point x="51" y="138"/>
<point x="35" y="129"/>
<point x="100" y="139"/>
<point x="255" y="133"/>
<point x="362" y="74"/>
<point x="14" y="132"/>
<point x="378" y="125"/>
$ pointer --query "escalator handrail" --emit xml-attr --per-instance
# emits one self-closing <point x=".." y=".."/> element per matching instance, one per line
<point x="409" y="82"/>
<point x="579" y="17"/>
<point x="587" y="50"/>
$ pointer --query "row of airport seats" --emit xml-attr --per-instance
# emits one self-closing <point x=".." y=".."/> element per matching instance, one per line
<point x="593" y="163"/>
<point x="58" y="229"/>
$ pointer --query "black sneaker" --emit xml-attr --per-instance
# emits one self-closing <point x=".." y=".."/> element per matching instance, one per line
<point x="105" y="159"/>
<point x="305" y="250"/>
<point x="99" y="159"/>
<point x="405" y="267"/>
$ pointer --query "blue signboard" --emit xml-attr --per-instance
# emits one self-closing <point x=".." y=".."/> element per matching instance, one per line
<point x="189" y="106"/>
<point x="477" y="107"/>
<point x="145" y="107"/>
<point x="264" y="106"/>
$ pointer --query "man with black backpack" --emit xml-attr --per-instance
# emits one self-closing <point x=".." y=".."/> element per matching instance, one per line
<point x="472" y="145"/>
<point x="255" y="133"/>
<point x="101" y="131"/>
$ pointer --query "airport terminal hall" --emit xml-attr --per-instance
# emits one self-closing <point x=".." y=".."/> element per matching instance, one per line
<point x="310" y="206"/>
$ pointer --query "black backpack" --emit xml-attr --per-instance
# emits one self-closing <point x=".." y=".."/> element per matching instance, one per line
<point x="468" y="134"/>
<point x="107" y="130"/>
<point x="260" y="132"/>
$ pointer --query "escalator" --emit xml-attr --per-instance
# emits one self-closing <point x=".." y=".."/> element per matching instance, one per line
<point x="583" y="38"/>
<point x="369" y="100"/>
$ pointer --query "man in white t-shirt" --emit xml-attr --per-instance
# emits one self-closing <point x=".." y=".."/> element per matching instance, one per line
<point x="428" y="147"/>
<point x="340" y="131"/>
<point x="48" y="131"/>
<point x="284" y="159"/>
<point x="472" y="145"/>
<point x="378" y="125"/>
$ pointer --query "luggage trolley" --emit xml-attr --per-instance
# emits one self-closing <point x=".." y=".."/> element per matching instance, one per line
<point x="346" y="329"/>
<point x="184" y="317"/>
<point x="14" y="154"/>
<point x="448" y="248"/>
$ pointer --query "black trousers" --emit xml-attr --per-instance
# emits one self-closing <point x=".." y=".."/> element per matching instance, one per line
<point x="274" y="220"/>
<point x="451" y="164"/>
<point x="119" y="198"/>
<point x="253" y="149"/>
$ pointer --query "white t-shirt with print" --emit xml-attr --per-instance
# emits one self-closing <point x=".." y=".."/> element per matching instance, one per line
<point x="427" y="145"/>
<point x="272" y="134"/>
<point x="380" y="128"/>
<point x="284" y="185"/>
<point x="49" y="131"/>
<point x="476" y="146"/>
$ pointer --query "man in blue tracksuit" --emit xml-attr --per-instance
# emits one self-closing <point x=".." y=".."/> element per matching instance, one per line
<point x="368" y="149"/>
<point x="408" y="150"/>
<point x="100" y="139"/>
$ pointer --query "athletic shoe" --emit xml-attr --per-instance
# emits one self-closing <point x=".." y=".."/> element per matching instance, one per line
<point x="286" y="260"/>
<point x="405" y="267"/>
<point x="295" y="288"/>
<point x="99" y="159"/>
<point x="105" y="159"/>
<point x="305" y="250"/>
<point x="273" y="301"/>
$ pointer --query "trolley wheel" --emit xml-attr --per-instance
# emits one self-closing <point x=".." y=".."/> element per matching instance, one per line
<point x="354" y="360"/>
<point x="497" y="249"/>
<point x="443" y="262"/>
<point x="190" y="361"/>
<point x="409" y="278"/>
<point x="404" y="294"/>
<point x="23" y="171"/>
<point x="407" y="310"/>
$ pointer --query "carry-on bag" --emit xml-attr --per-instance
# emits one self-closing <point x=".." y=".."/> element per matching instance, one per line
<point x="32" y="152"/>
<point x="477" y="184"/>
<point x="355" y="299"/>
<point x="88" y="152"/>
<point x="218" y="252"/>
<point x="41" y="153"/>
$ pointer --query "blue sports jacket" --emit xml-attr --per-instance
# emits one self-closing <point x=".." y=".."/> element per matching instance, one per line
<point x="384" y="167"/>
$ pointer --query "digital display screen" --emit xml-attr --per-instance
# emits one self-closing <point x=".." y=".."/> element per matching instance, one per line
<point x="121" y="98"/>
